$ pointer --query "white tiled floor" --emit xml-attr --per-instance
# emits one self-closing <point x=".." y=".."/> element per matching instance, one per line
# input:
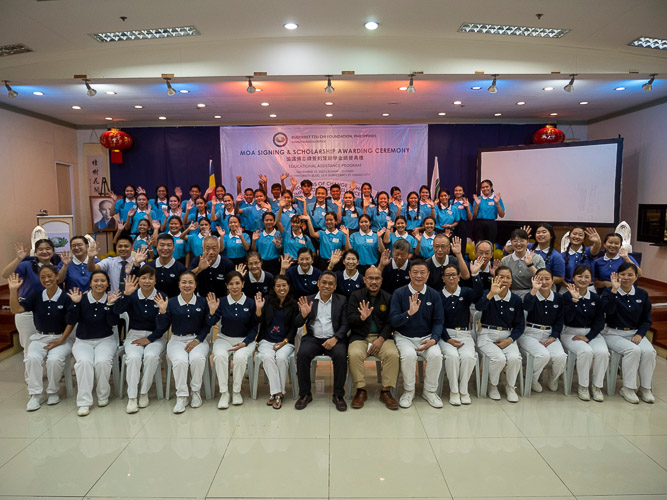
<point x="546" y="446"/>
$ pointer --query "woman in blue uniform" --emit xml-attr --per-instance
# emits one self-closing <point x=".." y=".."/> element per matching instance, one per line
<point x="411" y="212"/>
<point x="127" y="203"/>
<point x="276" y="315"/>
<point x="180" y="238"/>
<point x="545" y="237"/>
<point x="400" y="233"/>
<point x="330" y="238"/>
<point x="196" y="238"/>
<point x="584" y="320"/>
<point x="190" y="317"/>
<point x="349" y="213"/>
<point x="303" y="277"/>
<point x="628" y="317"/>
<point x="96" y="344"/>
<point x="217" y="202"/>
<point x="461" y="206"/>
<point x="446" y="216"/>
<point x="138" y="302"/>
<point x="235" y="243"/>
<point x="425" y="239"/>
<point x="51" y="342"/>
<point x="138" y="213"/>
<point x="255" y="280"/>
<point x="351" y="277"/>
<point x="544" y="324"/>
<point x="382" y="213"/>
<point x="268" y="243"/>
<point x="236" y="338"/>
<point x="577" y="254"/>
<point x="294" y="239"/>
<point x="161" y="199"/>
<point x="614" y="256"/>
<point x="367" y="243"/>
<point x="173" y="210"/>
<point x="227" y="210"/>
<point x="426" y="204"/>
<point x="486" y="209"/>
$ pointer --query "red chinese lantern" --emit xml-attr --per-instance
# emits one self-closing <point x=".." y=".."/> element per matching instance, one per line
<point x="548" y="135"/>
<point x="116" y="140"/>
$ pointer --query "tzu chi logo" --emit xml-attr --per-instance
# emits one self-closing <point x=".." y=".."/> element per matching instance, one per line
<point x="280" y="140"/>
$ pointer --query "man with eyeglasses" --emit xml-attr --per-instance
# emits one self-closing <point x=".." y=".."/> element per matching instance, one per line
<point x="371" y="335"/>
<point x="441" y="258"/>
<point x="417" y="318"/>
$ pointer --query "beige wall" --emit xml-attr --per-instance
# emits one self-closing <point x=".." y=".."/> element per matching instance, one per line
<point x="644" y="173"/>
<point x="29" y="150"/>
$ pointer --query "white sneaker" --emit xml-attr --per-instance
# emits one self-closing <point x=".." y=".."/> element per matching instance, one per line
<point x="195" y="401"/>
<point x="83" y="411"/>
<point x="512" y="396"/>
<point x="553" y="384"/>
<point x="237" y="399"/>
<point x="454" y="399"/>
<point x="132" y="406"/>
<point x="143" y="400"/>
<point x="406" y="399"/>
<point x="53" y="399"/>
<point x="432" y="398"/>
<point x="223" y="402"/>
<point x="629" y="395"/>
<point x="536" y="386"/>
<point x="465" y="399"/>
<point x="583" y="393"/>
<point x="493" y="392"/>
<point x="181" y="403"/>
<point x="597" y="394"/>
<point x="102" y="402"/>
<point x="35" y="402"/>
<point x="646" y="395"/>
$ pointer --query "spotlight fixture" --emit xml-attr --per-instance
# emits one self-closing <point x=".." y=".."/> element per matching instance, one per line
<point x="329" y="115"/>
<point x="138" y="106"/>
<point x="385" y="114"/>
<point x="108" y="118"/>
<point x="371" y="25"/>
<point x="110" y="92"/>
<point x="648" y="86"/>
<point x="619" y="88"/>
<point x="554" y="114"/>
<point x="201" y="105"/>
<point x="493" y="89"/>
<point x="161" y="117"/>
<point x="91" y="91"/>
<point x="184" y="91"/>
<point x="548" y="89"/>
<point x="251" y="89"/>
<point x="570" y="86"/>
<point x="38" y="92"/>
<point x="402" y="88"/>
<point x="273" y="116"/>
<point x="217" y="117"/>
<point x="583" y="103"/>
<point x="329" y="89"/>
<point x="520" y="103"/>
<point x="170" y="89"/>
<point x="328" y="103"/>
<point x="264" y="104"/>
<point x="497" y="114"/>
<point x="11" y="93"/>
<point x="76" y="107"/>
<point x="442" y="114"/>
<point x="290" y="26"/>
<point x="477" y="87"/>
<point x="457" y="103"/>
<point x="411" y="87"/>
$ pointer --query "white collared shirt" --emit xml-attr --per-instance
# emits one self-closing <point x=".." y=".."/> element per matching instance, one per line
<point x="231" y="301"/>
<point x="216" y="263"/>
<point x="272" y="233"/>
<point x="354" y="278"/>
<point x="302" y="272"/>
<point x="56" y="296"/>
<point x="574" y="252"/>
<point x="541" y="297"/>
<point x="191" y="302"/>
<point x="91" y="300"/>
<point x="369" y="233"/>
<point x="252" y="279"/>
<point x="612" y="258"/>
<point x="506" y="298"/>
<point x="141" y="295"/>
<point x="437" y="264"/>
<point x="402" y="268"/>
<point x="78" y="262"/>
<point x="413" y="291"/>
<point x="167" y="265"/>
<point x="323" y="325"/>
<point x="335" y="231"/>
<point x="432" y="237"/>
<point x="624" y="293"/>
<point x="456" y="293"/>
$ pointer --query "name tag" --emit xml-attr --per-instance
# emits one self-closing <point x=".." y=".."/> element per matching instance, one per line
<point x="369" y="240"/>
<point x="461" y="207"/>
<point x="354" y="215"/>
<point x="334" y="240"/>
<point x="491" y="202"/>
<point x="303" y="242"/>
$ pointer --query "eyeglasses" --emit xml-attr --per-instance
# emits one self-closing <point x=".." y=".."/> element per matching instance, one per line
<point x="451" y="276"/>
<point x="440" y="246"/>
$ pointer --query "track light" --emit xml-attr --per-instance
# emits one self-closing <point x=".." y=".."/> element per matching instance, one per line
<point x="251" y="89"/>
<point x="411" y="86"/>
<point x="11" y="93"/>
<point x="170" y="89"/>
<point x="570" y="86"/>
<point x="648" y="86"/>
<point x="493" y="89"/>
<point x="329" y="89"/>
<point x="91" y="91"/>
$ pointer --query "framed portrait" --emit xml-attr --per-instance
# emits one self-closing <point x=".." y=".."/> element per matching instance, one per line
<point x="101" y="209"/>
<point x="58" y="229"/>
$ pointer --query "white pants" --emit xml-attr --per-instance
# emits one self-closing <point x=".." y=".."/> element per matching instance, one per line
<point x="26" y="328"/>
<point x="594" y="352"/>
<point x="407" y="351"/>
<point x="275" y="364"/>
<point x="530" y="342"/>
<point x="498" y="357"/>
<point x="133" y="358"/>
<point x="55" y="363"/>
<point x="94" y="359"/>
<point x="636" y="358"/>
<point x="221" y="356"/>
<point x="180" y="360"/>
<point x="459" y="362"/>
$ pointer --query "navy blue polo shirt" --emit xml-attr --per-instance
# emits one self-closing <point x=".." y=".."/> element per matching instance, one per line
<point x="395" y="277"/>
<point x="142" y="310"/>
<point x="94" y="319"/>
<point x="456" y="306"/>
<point x="586" y="313"/>
<point x="427" y="321"/>
<point x="506" y="313"/>
<point x="166" y="276"/>
<point x="630" y="310"/>
<point x="303" y="283"/>
<point x="185" y="318"/>
<point x="49" y="314"/>
<point x="546" y="312"/>
<point x="237" y="319"/>
<point x="77" y="274"/>
<point x="345" y="284"/>
<point x="252" y="286"/>
<point x="212" y="279"/>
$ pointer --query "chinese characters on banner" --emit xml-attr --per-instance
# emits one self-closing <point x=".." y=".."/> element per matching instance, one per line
<point x="96" y="166"/>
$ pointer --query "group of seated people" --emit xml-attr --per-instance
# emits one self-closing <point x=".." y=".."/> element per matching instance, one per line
<point x="362" y="286"/>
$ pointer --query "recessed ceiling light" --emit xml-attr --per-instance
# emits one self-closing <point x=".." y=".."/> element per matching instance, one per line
<point x="264" y="104"/>
<point x="184" y="91"/>
<point x="161" y="117"/>
<point x="442" y="114"/>
<point x="457" y="103"/>
<point x="619" y="88"/>
<point x="402" y="88"/>
<point x="150" y="33"/>
<point x="329" y="115"/>
<point x="217" y="117"/>
<point x="584" y="102"/>
<point x="138" y="106"/>
<point x="201" y="105"/>
<point x="273" y="116"/>
<point x="520" y="103"/>
<point x="649" y="43"/>
<point x="385" y="114"/>
<point x="554" y="114"/>
<point x="13" y="49"/>
<point x="498" y="114"/>
<point x="475" y="88"/>
<point x="500" y="29"/>
<point x="290" y="26"/>
<point x="76" y="107"/>
<point x="110" y="92"/>
<point x="108" y="118"/>
<point x="547" y="89"/>
<point x="328" y="103"/>
<point x="371" y="25"/>
<point x="37" y="92"/>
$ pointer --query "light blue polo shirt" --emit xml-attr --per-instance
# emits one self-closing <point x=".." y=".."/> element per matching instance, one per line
<point x="413" y="216"/>
<point x="292" y="243"/>
<point x="407" y="237"/>
<point x="487" y="208"/>
<point x="350" y="218"/>
<point x="265" y="246"/>
<point x="366" y="246"/>
<point x="330" y="242"/>
<point x="234" y="246"/>
<point x="444" y="216"/>
<point x="426" y="247"/>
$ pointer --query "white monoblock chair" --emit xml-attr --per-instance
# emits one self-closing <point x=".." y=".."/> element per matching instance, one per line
<point x="530" y="360"/>
<point x="612" y="371"/>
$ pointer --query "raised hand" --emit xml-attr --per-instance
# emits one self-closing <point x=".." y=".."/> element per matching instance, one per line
<point x="465" y="202"/>
<point x="417" y="234"/>
<point x="528" y="258"/>
<point x="390" y="225"/>
<point x="528" y="230"/>
<point x="336" y="255"/>
<point x="92" y="251"/>
<point x="256" y="235"/>
<point x="381" y="232"/>
<point x="496" y="286"/>
<point x="140" y="190"/>
<point x="178" y="192"/>
<point x="241" y="268"/>
<point x="365" y="310"/>
<point x="161" y="302"/>
<point x="75" y="295"/>
<point x="221" y="232"/>
<point x="592" y="234"/>
<point x="574" y="291"/>
<point x="615" y="281"/>
<point x="456" y="245"/>
<point x="285" y="263"/>
<point x="475" y="198"/>
<point x="477" y="265"/>
<point x="278" y="240"/>
<point x="414" y="304"/>
<point x="66" y="258"/>
<point x="385" y="258"/>
<point x="497" y="197"/>
<point x="239" y="179"/>
<point x="284" y="176"/>
<point x="192" y="226"/>
<point x="111" y="299"/>
<point x="189" y="205"/>
<point x="213" y="303"/>
<point x="293" y="182"/>
<point x="353" y="185"/>
<point x="114" y="196"/>
<point x="208" y="191"/>
<point x="20" y="251"/>
<point x="132" y="211"/>
<point x="156" y="225"/>
<point x="165" y="210"/>
<point x="259" y="302"/>
<point x="131" y="284"/>
<point x="344" y="230"/>
<point x="305" y="306"/>
<point x="14" y="281"/>
<point x="239" y="197"/>
<point x="141" y="255"/>
<point x="263" y="178"/>
<point x="536" y="282"/>
<point x="203" y="263"/>
<point x="623" y="254"/>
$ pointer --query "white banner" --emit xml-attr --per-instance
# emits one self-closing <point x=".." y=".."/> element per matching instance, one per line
<point x="383" y="155"/>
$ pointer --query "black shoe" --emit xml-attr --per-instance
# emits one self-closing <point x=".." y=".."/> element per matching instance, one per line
<point x="339" y="402"/>
<point x="303" y="401"/>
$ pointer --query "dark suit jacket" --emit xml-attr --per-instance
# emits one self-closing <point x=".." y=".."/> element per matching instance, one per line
<point x="380" y="314"/>
<point x="338" y="316"/>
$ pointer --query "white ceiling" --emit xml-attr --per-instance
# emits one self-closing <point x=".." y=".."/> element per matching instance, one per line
<point x="241" y="37"/>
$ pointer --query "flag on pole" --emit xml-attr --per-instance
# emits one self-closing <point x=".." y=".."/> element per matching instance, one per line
<point x="435" y="180"/>
<point x="211" y="175"/>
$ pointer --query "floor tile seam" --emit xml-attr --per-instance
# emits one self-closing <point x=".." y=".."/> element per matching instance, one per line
<point x="217" y="469"/>
<point x="551" y="467"/>
<point x="511" y="419"/>
<point x="108" y="467"/>
<point x="435" y="455"/>
<point x="644" y="453"/>
<point x="32" y="440"/>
